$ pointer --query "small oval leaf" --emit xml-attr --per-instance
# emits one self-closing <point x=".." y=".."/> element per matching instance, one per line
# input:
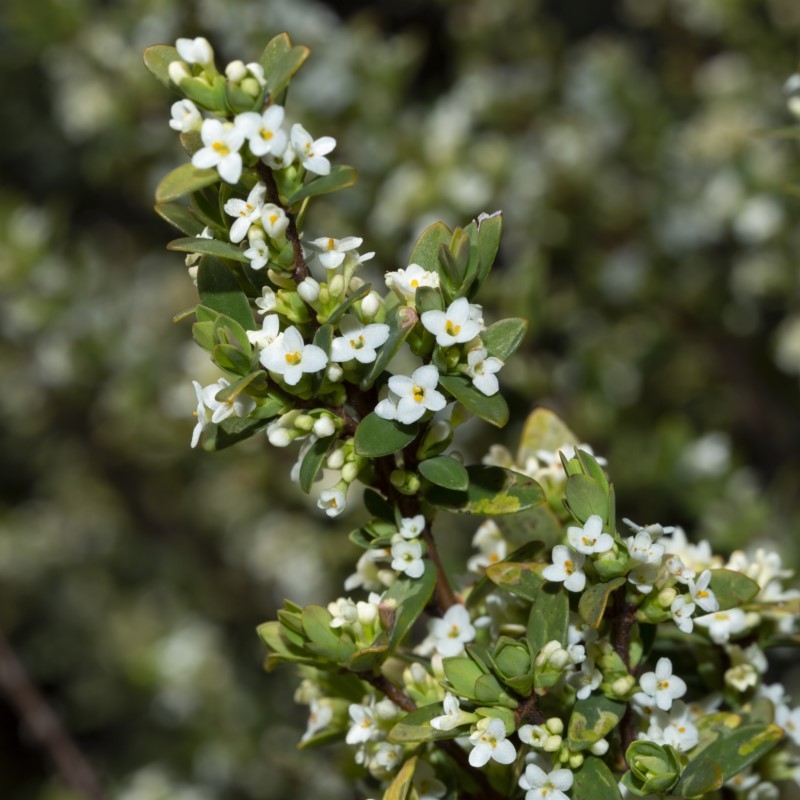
<point x="446" y="472"/>
<point x="376" y="437"/>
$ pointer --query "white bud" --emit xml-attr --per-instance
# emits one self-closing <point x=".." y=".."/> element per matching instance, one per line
<point x="279" y="436"/>
<point x="304" y="422"/>
<point x="553" y="744"/>
<point x="257" y="71"/>
<point x="308" y="289"/>
<point x="236" y="71"/>
<point x="178" y="71"/>
<point x="370" y="305"/>
<point x="335" y="458"/>
<point x="324" y="427"/>
<point x="555" y="725"/>
<point x="367" y="612"/>
<point x="336" y="286"/>
<point x="355" y="283"/>
<point x="350" y="471"/>
<point x="334" y="372"/>
<point x="195" y="51"/>
<point x="599" y="748"/>
<point x="575" y="760"/>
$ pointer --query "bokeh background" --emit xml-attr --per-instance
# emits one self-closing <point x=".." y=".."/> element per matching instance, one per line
<point x="641" y="153"/>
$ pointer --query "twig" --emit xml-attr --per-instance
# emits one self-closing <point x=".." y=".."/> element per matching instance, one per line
<point x="44" y="726"/>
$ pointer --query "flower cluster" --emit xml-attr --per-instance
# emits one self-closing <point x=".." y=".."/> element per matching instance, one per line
<point x="573" y="657"/>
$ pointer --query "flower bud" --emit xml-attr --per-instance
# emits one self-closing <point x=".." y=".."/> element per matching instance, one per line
<point x="575" y="760"/>
<point x="555" y="725"/>
<point x="367" y="612"/>
<point x="334" y="372"/>
<point x="355" y="283"/>
<point x="335" y="458"/>
<point x="178" y="71"/>
<point x="236" y="71"/>
<point x="324" y="427"/>
<point x="599" y="748"/>
<point x="279" y="436"/>
<point x="666" y="596"/>
<point x="308" y="289"/>
<point x="553" y="744"/>
<point x="350" y="471"/>
<point x="304" y="422"/>
<point x="336" y="286"/>
<point x="195" y="51"/>
<point x="371" y="305"/>
<point x="250" y="86"/>
<point x="621" y="686"/>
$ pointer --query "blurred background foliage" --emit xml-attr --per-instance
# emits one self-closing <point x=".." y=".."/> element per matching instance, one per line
<point x="651" y="237"/>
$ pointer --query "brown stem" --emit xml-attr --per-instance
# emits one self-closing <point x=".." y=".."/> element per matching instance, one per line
<point x="528" y="711"/>
<point x="391" y="690"/>
<point x="292" y="236"/>
<point x="621" y="626"/>
<point x="44" y="726"/>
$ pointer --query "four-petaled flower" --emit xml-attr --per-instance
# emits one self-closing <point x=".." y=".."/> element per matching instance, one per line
<point x="274" y="221"/>
<point x="482" y="370"/>
<point x="263" y="131"/>
<point x="661" y="686"/>
<point x="590" y="538"/>
<point x="410" y="398"/>
<point x="452" y="714"/>
<point x="363" y="727"/>
<point x="332" y="501"/>
<point x="541" y="785"/>
<point x="490" y="743"/>
<point x="246" y="211"/>
<point x="331" y="252"/>
<point x="701" y="594"/>
<point x="407" y="556"/>
<point x="452" y="631"/>
<point x="566" y="568"/>
<point x="412" y="527"/>
<point x="185" y="116"/>
<point x="682" y="610"/>
<point x="405" y="282"/>
<point x="456" y="325"/>
<point x="222" y="144"/>
<point x="289" y="356"/>
<point x="195" y="51"/>
<point x="270" y="331"/>
<point x="310" y="151"/>
<point x="358" y="341"/>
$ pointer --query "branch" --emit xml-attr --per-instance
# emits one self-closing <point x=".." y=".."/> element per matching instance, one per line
<point x="45" y="727"/>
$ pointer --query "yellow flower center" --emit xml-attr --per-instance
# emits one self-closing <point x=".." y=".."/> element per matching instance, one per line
<point x="221" y="148"/>
<point x="293" y="358"/>
<point x="266" y="134"/>
<point x="357" y="344"/>
<point x="418" y="393"/>
<point x="451" y="328"/>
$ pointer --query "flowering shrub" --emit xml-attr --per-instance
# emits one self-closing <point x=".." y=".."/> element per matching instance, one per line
<point x="575" y="657"/>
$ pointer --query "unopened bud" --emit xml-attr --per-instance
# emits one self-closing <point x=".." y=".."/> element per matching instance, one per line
<point x="350" y="471"/>
<point x="304" y="422"/>
<point x="236" y="71"/>
<point x="250" y="86"/>
<point x="367" y="612"/>
<point x="178" y="71"/>
<point x="308" y="289"/>
<point x="336" y="286"/>
<point x="370" y="305"/>
<point x="623" y="685"/>
<point x="666" y="596"/>
<point x="575" y="760"/>
<point x="555" y="725"/>
<point x="324" y="427"/>
<point x="279" y="436"/>
<point x="335" y="458"/>
<point x="599" y="748"/>
<point x="334" y="372"/>
<point x="355" y="283"/>
<point x="553" y="744"/>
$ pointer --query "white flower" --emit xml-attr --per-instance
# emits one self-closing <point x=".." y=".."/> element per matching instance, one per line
<point x="427" y="785"/>
<point x="644" y="576"/>
<point x="410" y="398"/>
<point x="407" y="556"/>
<point x="679" y="570"/>
<point x="482" y="371"/>
<point x="332" y="501"/>
<point x="491" y="744"/>
<point x="453" y="326"/>
<point x="258" y="253"/>
<point x="270" y="328"/>
<point x="343" y="612"/>
<point x="195" y="51"/>
<point x="701" y="594"/>
<point x="661" y="686"/>
<point x="263" y="131"/>
<point x="675" y="728"/>
<point x="452" y="714"/>
<point x="452" y="631"/>
<point x="358" y="341"/>
<point x="405" y="282"/>
<point x="642" y="548"/>
<point x="274" y="221"/>
<point x="185" y="117"/>
<point x="363" y="727"/>
<point x="541" y="785"/>
<point x="412" y="527"/>
<point x="201" y="414"/>
<point x="721" y="625"/>
<point x="290" y="357"/>
<point x="285" y="159"/>
<point x="682" y="610"/>
<point x="240" y="405"/>
<point x="222" y="144"/>
<point x="246" y="211"/>
<point x="590" y="538"/>
<point x="320" y="716"/>
<point x="331" y="252"/>
<point x="312" y="152"/>
<point x="566" y="568"/>
<point x="491" y="545"/>
<point x="789" y="720"/>
<point x="587" y="680"/>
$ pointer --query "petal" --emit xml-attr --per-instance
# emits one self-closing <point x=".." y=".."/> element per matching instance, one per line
<point x="433" y="321"/>
<point x="386" y="409"/>
<point x="230" y="168"/>
<point x="434" y="401"/>
<point x="205" y="158"/>
<point x="561" y="779"/>
<point x="409" y="410"/>
<point x="314" y="358"/>
<point x="480" y="755"/>
<point x="427" y="376"/>
<point x="324" y="145"/>
<point x="504" y="753"/>
<point x="239" y="229"/>
<point x="319" y="165"/>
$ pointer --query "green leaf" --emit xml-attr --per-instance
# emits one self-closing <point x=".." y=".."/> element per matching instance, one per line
<point x="230" y="358"/>
<point x="323" y="339"/>
<point x="521" y="578"/>
<point x="284" y="67"/>
<point x="411" y="596"/>
<point x="493" y="410"/>
<point x="323" y="640"/>
<point x="340" y="177"/>
<point x="592" y="719"/>
<point x="210" y="247"/>
<point x="732" y="589"/>
<point x="426" y="250"/>
<point x="179" y="217"/>
<point x="445" y="471"/>
<point x="219" y="290"/>
<point x="490" y="228"/>
<point x="730" y="754"/>
<point x="594" y="600"/>
<point x="504" y="337"/>
<point x="369" y="658"/>
<point x="275" y="49"/>
<point x="230" y="431"/>
<point x="184" y="180"/>
<point x="549" y="616"/>
<point x="235" y="389"/>
<point x="376" y="437"/>
<point x="492" y="490"/>
<point x="538" y="524"/>
<point x="341" y="310"/>
<point x="312" y="462"/>
<point x="584" y="497"/>
<point x="400" y="787"/>
<point x="401" y="321"/>
<point x="158" y="58"/>
<point x="543" y="431"/>
<point x="595" y="781"/>
<point x="204" y="334"/>
<point x="416" y="727"/>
